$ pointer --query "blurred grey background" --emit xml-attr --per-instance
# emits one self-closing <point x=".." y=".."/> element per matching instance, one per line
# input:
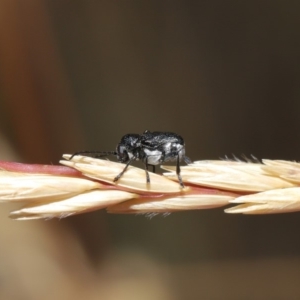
<point x="77" y="75"/>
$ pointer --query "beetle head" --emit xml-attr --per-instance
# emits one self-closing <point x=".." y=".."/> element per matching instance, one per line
<point x="128" y="147"/>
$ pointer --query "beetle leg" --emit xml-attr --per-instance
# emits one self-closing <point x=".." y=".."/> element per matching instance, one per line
<point x="178" y="172"/>
<point x="146" y="170"/>
<point x="125" y="168"/>
<point x="187" y="160"/>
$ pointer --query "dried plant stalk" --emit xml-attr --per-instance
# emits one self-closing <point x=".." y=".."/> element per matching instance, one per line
<point x="87" y="184"/>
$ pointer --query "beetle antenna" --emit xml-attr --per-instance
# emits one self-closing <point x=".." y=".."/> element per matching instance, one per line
<point x="94" y="153"/>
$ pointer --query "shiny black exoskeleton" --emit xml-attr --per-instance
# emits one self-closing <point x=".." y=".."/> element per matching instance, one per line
<point x="153" y="148"/>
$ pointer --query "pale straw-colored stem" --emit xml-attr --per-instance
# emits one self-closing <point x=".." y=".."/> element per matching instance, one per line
<point x="48" y="192"/>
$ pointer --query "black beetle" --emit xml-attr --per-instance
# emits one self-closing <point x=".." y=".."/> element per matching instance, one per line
<point x="153" y="148"/>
